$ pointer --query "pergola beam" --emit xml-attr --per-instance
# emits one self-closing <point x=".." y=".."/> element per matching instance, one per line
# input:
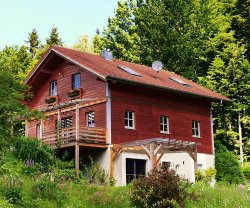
<point x="155" y="149"/>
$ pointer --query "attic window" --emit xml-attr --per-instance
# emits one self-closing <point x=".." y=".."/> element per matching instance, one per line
<point x="128" y="70"/>
<point x="179" y="81"/>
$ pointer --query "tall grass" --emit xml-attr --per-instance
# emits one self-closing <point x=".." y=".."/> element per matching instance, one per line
<point x="222" y="195"/>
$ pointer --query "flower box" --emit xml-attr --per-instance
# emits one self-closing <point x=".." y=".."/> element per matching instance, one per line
<point x="51" y="100"/>
<point x="74" y="93"/>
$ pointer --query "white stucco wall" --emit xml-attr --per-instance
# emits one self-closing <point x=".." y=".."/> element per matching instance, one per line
<point x="182" y="161"/>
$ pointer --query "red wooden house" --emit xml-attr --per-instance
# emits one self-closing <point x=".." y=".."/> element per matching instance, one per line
<point x="127" y="116"/>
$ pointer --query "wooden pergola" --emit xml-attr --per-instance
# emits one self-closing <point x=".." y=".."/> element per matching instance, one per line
<point x="154" y="149"/>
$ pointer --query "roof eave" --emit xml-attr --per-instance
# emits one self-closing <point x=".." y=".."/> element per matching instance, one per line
<point x="65" y="57"/>
<point x="210" y="98"/>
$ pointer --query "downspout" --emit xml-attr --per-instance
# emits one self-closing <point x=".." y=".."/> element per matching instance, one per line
<point x="108" y="114"/>
<point x="212" y="129"/>
<point x="223" y="120"/>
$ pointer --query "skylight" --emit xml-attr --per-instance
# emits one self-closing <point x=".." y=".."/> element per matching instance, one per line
<point x="128" y="70"/>
<point x="179" y="81"/>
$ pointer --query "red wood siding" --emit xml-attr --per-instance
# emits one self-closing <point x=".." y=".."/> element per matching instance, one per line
<point x="149" y="105"/>
<point x="91" y="86"/>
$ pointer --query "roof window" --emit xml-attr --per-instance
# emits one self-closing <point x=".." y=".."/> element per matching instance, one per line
<point x="179" y="81"/>
<point x="128" y="70"/>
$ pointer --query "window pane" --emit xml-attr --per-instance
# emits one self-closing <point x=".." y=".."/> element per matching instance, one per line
<point x="90" y="119"/>
<point x="129" y="119"/>
<point x="76" y="83"/>
<point x="53" y="88"/>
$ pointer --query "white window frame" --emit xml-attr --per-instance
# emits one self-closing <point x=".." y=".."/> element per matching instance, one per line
<point x="196" y="129"/>
<point x="53" y="88"/>
<point x="90" y="122"/>
<point x="76" y="81"/>
<point x="39" y="131"/>
<point x="164" y="121"/>
<point x="129" y="118"/>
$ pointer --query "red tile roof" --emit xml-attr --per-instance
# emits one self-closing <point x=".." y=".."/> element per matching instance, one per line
<point x="106" y="69"/>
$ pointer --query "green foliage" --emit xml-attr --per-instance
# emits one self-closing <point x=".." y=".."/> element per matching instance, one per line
<point x="15" y="61"/>
<point x="246" y="171"/>
<point x="48" y="190"/>
<point x="83" y="44"/>
<point x="162" y="188"/>
<point x="5" y="204"/>
<point x="206" y="175"/>
<point x="226" y="165"/>
<point x="34" y="42"/>
<point x="120" y="35"/>
<point x="222" y="195"/>
<point x="97" y="175"/>
<point x="54" y="38"/>
<point x="32" y="149"/>
<point x="12" y="189"/>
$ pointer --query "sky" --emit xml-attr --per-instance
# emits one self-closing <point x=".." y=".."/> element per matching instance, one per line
<point x="72" y="18"/>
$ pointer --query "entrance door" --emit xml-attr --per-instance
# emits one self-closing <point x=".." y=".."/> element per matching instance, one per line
<point x="135" y="168"/>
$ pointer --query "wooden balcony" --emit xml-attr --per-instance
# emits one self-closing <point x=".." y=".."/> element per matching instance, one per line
<point x="66" y="137"/>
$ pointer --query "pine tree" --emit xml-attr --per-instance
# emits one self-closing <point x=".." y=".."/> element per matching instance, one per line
<point x="34" y="42"/>
<point x="54" y="38"/>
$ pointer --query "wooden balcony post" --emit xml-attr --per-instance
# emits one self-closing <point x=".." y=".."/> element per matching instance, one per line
<point x="26" y="128"/>
<point x="77" y="140"/>
<point x="58" y="122"/>
<point x="42" y="129"/>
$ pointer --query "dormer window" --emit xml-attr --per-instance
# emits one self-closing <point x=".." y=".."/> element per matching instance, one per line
<point x="53" y="88"/>
<point x="76" y="81"/>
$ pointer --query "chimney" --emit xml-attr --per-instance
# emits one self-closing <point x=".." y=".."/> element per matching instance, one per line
<point x="107" y="54"/>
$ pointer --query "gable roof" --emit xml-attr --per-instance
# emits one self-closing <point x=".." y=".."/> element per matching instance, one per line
<point x="111" y="70"/>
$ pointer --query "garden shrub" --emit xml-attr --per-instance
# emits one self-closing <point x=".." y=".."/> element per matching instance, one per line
<point x="246" y="171"/>
<point x="97" y="175"/>
<point x="12" y="189"/>
<point x="227" y="166"/>
<point x="162" y="188"/>
<point x="206" y="175"/>
<point x="5" y="204"/>
<point x="48" y="190"/>
<point x="33" y="151"/>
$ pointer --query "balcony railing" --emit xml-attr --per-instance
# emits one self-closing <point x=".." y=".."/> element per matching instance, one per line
<point x="67" y="136"/>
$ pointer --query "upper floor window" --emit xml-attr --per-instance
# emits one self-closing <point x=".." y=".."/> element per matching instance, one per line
<point x="196" y="128"/>
<point x="164" y="124"/>
<point x="67" y="122"/>
<point x="90" y="119"/>
<point x="76" y="81"/>
<point x="129" y="119"/>
<point x="53" y="88"/>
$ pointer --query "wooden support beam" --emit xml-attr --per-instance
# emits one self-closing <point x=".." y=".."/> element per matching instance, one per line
<point x="193" y="154"/>
<point x="146" y="150"/>
<point x="114" y="153"/>
<point x="158" y="159"/>
<point x="26" y="128"/>
<point x="77" y="140"/>
<point x="152" y="156"/>
<point x="77" y="160"/>
<point x="68" y="107"/>
<point x="157" y="149"/>
<point x="77" y="122"/>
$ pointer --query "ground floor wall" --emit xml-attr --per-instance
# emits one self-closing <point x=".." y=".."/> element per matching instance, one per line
<point x="181" y="162"/>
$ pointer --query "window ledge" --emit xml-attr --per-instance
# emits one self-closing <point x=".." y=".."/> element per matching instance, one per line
<point x="130" y="128"/>
<point x="164" y="132"/>
<point x="197" y="137"/>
